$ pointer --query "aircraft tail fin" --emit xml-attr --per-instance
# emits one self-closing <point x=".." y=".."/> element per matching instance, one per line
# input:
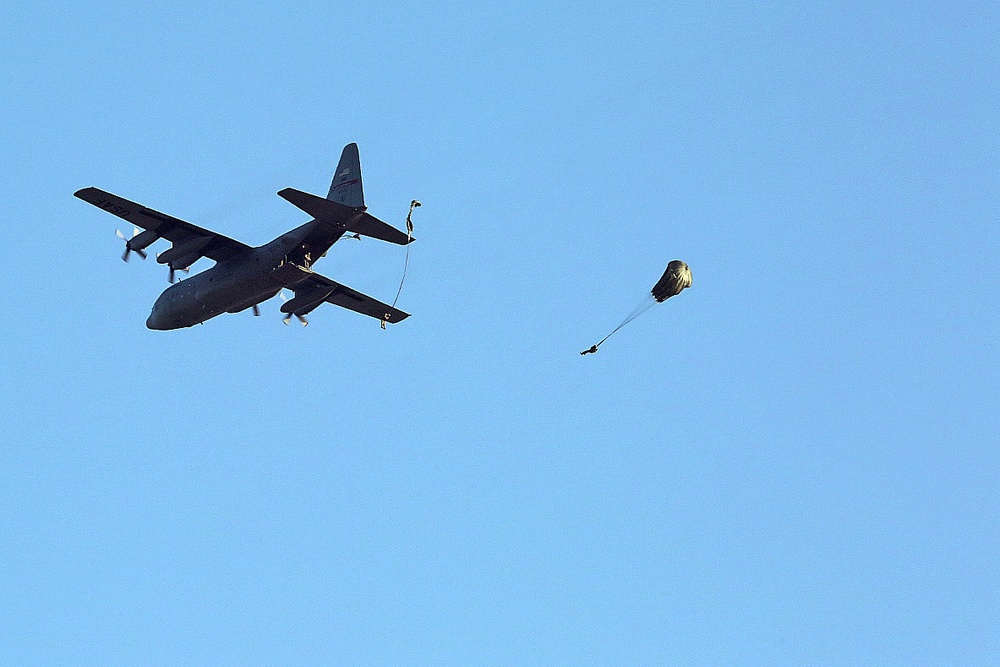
<point x="346" y="187"/>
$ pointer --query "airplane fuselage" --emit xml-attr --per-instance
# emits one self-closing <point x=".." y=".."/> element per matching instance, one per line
<point x="234" y="286"/>
<point x="244" y="276"/>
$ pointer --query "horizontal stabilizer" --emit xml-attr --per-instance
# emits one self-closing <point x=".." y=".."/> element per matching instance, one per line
<point x="369" y="225"/>
<point x="357" y="220"/>
<point x="317" y="207"/>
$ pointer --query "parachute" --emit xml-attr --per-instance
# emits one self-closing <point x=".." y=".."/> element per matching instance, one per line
<point x="675" y="278"/>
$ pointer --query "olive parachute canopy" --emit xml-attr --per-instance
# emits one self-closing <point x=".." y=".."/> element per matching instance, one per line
<point x="676" y="278"/>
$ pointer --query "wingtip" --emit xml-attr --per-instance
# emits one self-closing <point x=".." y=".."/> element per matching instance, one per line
<point x="395" y="317"/>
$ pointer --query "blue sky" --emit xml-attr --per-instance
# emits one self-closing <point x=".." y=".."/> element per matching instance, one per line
<point x="793" y="462"/>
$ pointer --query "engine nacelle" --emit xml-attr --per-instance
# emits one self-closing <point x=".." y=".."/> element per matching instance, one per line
<point x="143" y="239"/>
<point x="183" y="255"/>
<point x="305" y="301"/>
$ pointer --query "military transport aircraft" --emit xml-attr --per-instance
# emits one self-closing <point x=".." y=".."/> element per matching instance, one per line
<point x="243" y="276"/>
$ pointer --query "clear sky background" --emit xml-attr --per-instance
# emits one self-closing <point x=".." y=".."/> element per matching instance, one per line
<point x="794" y="462"/>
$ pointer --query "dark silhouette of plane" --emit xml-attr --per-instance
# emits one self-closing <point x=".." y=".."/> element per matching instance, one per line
<point x="243" y="276"/>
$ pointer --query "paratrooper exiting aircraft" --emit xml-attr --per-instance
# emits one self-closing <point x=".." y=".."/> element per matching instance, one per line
<point x="243" y="276"/>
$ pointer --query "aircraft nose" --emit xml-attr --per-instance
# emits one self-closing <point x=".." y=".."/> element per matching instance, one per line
<point x="155" y="321"/>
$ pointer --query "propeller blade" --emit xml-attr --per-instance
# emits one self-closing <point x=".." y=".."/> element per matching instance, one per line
<point x="256" y="310"/>
<point x="286" y="319"/>
<point x="128" y="248"/>
<point x="128" y="244"/>
<point x="303" y="320"/>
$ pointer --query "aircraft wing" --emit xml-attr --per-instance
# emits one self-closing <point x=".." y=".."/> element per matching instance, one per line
<point x="205" y="243"/>
<point x="312" y="290"/>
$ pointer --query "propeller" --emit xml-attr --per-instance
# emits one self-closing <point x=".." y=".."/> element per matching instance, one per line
<point x="288" y="318"/>
<point x="170" y="274"/>
<point x="128" y="244"/>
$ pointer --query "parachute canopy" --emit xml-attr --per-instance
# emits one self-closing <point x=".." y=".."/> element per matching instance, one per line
<point x="674" y="279"/>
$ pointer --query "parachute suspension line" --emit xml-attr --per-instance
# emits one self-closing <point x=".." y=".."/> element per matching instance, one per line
<point x="647" y="302"/>
<point x="406" y="259"/>
<point x="644" y="305"/>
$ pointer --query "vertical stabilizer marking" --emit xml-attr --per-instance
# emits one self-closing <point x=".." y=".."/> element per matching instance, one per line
<point x="346" y="187"/>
